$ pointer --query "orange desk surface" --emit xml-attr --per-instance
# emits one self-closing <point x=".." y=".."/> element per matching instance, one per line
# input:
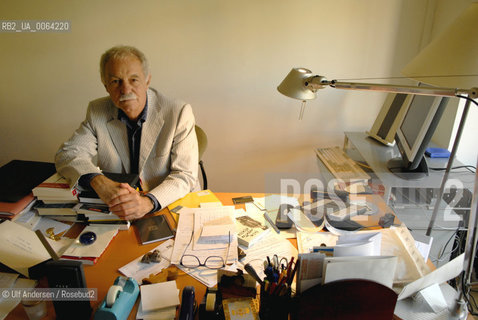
<point x="126" y="247"/>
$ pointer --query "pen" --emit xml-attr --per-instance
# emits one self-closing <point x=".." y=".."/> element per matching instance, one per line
<point x="253" y="273"/>
<point x="291" y="278"/>
<point x="272" y="288"/>
<point x="283" y="291"/>
<point x="289" y="267"/>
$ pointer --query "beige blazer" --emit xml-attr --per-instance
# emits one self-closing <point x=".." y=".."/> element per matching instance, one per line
<point x="168" y="161"/>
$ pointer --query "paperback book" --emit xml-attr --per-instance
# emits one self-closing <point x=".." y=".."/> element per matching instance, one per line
<point x="55" y="188"/>
<point x="10" y="210"/>
<point x="89" y="254"/>
<point x="250" y="229"/>
<point x="57" y="209"/>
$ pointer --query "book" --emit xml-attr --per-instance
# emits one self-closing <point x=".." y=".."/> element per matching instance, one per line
<point x="89" y="254"/>
<point x="250" y="229"/>
<point x="90" y="196"/>
<point x="120" y="224"/>
<point x="9" y="210"/>
<point x="57" y="209"/>
<point x="152" y="229"/>
<point x="55" y="188"/>
<point x="241" y="308"/>
<point x="19" y="177"/>
<point x="94" y="212"/>
<point x="92" y="209"/>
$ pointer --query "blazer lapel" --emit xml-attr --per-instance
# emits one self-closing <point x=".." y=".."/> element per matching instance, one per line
<point x="151" y="128"/>
<point x="119" y="136"/>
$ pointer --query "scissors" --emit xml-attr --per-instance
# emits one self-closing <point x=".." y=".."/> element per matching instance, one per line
<point x="284" y="263"/>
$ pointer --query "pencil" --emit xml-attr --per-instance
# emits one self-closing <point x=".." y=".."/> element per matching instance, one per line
<point x="289" y="281"/>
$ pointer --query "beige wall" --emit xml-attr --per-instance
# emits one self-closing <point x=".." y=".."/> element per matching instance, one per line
<point x="224" y="57"/>
<point x="446" y="12"/>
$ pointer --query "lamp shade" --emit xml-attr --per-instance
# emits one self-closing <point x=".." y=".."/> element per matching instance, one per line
<point x="293" y="85"/>
<point x="451" y="59"/>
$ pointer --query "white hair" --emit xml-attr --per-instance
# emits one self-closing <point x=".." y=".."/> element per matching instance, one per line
<point x="119" y="52"/>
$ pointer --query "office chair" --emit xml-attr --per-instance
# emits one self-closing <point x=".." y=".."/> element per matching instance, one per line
<point x="202" y="145"/>
<point x="347" y="299"/>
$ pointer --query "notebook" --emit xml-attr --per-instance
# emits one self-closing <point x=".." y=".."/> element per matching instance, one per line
<point x="152" y="229"/>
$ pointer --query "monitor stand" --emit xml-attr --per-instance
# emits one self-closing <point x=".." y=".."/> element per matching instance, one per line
<point x="396" y="166"/>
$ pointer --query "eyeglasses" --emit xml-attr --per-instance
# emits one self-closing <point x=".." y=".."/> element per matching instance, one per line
<point x="211" y="262"/>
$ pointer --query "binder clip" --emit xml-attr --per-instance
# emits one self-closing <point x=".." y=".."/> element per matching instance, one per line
<point x="119" y="300"/>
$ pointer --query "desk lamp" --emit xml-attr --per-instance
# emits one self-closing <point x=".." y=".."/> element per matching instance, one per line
<point x="448" y="63"/>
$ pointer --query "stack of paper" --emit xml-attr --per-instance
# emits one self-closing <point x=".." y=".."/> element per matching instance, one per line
<point x="158" y="301"/>
<point x="190" y="224"/>
<point x="217" y="231"/>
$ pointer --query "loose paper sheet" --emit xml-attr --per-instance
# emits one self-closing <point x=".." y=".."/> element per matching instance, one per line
<point x="21" y="248"/>
<point x="138" y="270"/>
<point x="306" y="241"/>
<point x="446" y="272"/>
<point x="377" y="268"/>
<point x="373" y="241"/>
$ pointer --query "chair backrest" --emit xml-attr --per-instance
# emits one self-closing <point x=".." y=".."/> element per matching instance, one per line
<point x="202" y="140"/>
<point x="202" y="145"/>
<point x="347" y="299"/>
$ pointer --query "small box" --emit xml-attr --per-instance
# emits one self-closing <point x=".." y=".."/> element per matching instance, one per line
<point x="437" y="153"/>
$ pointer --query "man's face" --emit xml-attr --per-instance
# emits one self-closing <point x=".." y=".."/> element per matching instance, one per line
<point x="127" y="84"/>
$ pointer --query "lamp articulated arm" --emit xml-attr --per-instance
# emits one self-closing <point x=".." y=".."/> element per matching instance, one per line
<point x="317" y="82"/>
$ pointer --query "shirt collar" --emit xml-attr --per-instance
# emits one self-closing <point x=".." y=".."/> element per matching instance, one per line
<point x="142" y="116"/>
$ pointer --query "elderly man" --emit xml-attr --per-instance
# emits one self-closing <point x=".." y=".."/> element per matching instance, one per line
<point x="134" y="130"/>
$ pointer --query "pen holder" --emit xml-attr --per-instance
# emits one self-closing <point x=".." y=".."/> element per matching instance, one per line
<point x="274" y="306"/>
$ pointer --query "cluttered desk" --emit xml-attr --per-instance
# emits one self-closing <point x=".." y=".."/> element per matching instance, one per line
<point x="202" y="261"/>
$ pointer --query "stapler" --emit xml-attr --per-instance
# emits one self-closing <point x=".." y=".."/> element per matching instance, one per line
<point x="188" y="304"/>
<point x="119" y="300"/>
<point x="282" y="220"/>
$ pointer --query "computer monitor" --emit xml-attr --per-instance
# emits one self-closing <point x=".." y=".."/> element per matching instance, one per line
<point x="412" y="137"/>
<point x="389" y="118"/>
